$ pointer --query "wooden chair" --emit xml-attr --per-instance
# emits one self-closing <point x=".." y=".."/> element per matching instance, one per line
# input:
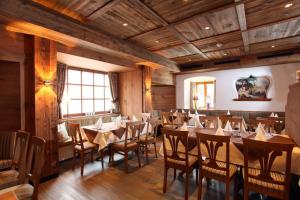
<point x="168" y="119"/>
<point x="35" y="162"/>
<point x="150" y="136"/>
<point x="235" y="122"/>
<point x="181" y="118"/>
<point x="176" y="158"/>
<point x="209" y="121"/>
<point x="264" y="179"/>
<point x="16" y="174"/>
<point x="131" y="142"/>
<point x="211" y="167"/>
<point x="269" y="125"/>
<point x="81" y="147"/>
<point x="6" y="150"/>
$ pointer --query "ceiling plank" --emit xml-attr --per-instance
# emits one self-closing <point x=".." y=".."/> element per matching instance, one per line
<point x="18" y="13"/>
<point x="170" y="27"/>
<point x="101" y="11"/>
<point x="240" y="9"/>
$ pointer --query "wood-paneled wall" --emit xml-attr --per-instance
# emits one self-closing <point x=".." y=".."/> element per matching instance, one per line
<point x="131" y="92"/>
<point x="10" y="118"/>
<point x="147" y="80"/>
<point x="162" y="77"/>
<point x="163" y="97"/>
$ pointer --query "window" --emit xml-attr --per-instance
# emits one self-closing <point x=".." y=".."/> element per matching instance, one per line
<point x="86" y="92"/>
<point x="203" y="94"/>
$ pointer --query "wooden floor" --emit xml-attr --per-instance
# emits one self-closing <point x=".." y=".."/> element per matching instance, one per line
<point x="113" y="183"/>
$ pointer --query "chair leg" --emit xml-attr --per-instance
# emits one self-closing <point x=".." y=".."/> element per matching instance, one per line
<point x="126" y="161"/>
<point x="155" y="149"/>
<point x="200" y="187"/>
<point x="102" y="157"/>
<point x="165" y="180"/>
<point x="186" y="195"/>
<point x="146" y="149"/>
<point x="138" y="156"/>
<point x="236" y="189"/>
<point x="245" y="194"/>
<point x="197" y="172"/>
<point x="74" y="159"/>
<point x="82" y="162"/>
<point x="92" y="155"/>
<point x="228" y="190"/>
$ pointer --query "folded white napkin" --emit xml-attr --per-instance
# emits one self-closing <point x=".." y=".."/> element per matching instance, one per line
<point x="183" y="111"/>
<point x="189" y="112"/>
<point x="165" y="120"/>
<point x="228" y="126"/>
<point x="260" y="133"/>
<point x="219" y="131"/>
<point x="145" y="128"/>
<point x="272" y="114"/>
<point x="219" y="123"/>
<point x="99" y="123"/>
<point x="228" y="112"/>
<point x="275" y="115"/>
<point x="184" y="127"/>
<point x="197" y="122"/>
<point x="134" y="119"/>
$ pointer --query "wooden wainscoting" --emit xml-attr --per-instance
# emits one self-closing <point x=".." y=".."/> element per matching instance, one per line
<point x="163" y="97"/>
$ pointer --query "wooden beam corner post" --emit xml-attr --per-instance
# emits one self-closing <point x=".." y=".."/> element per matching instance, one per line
<point x="147" y="82"/>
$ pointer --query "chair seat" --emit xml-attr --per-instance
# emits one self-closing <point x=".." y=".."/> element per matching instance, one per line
<point x="121" y="145"/>
<point x="191" y="161"/>
<point x="259" y="183"/>
<point x="218" y="172"/>
<point x="5" y="164"/>
<point x="23" y="192"/>
<point x="86" y="146"/>
<point x="8" y="178"/>
<point x="149" y="139"/>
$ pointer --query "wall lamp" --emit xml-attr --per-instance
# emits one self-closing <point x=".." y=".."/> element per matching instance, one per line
<point x="47" y="83"/>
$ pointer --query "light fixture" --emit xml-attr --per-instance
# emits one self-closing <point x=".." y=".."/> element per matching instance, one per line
<point x="219" y="45"/>
<point x="207" y="28"/>
<point x="125" y="24"/>
<point x="47" y="83"/>
<point x="148" y="91"/>
<point x="273" y="46"/>
<point x="288" y="5"/>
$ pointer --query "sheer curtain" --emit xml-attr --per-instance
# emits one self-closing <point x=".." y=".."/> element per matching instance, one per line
<point x="61" y="79"/>
<point x="113" y="81"/>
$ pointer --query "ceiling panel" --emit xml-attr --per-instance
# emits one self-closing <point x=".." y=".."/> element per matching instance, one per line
<point x="137" y="20"/>
<point x="188" y="59"/>
<point x="178" y="51"/>
<point x="209" y="24"/>
<point x="219" y="42"/>
<point x="260" y="12"/>
<point x="276" y="45"/>
<point x="76" y="9"/>
<point x="174" y="10"/>
<point x="275" y="31"/>
<point x="157" y="39"/>
<point x="224" y="54"/>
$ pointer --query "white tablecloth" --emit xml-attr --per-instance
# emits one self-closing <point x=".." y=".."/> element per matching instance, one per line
<point x="237" y="157"/>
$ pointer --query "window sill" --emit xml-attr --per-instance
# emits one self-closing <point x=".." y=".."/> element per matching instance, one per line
<point x="91" y="116"/>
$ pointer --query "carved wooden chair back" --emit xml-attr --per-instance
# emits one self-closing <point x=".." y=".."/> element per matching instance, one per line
<point x="168" y="118"/>
<point x="209" y="121"/>
<point x="212" y="144"/>
<point x="269" y="125"/>
<point x="20" y="149"/>
<point x="235" y="122"/>
<point x="266" y="153"/>
<point x="35" y="162"/>
<point x="74" y="130"/>
<point x="152" y="126"/>
<point x="178" y="141"/>
<point x="133" y="131"/>
<point x="181" y="118"/>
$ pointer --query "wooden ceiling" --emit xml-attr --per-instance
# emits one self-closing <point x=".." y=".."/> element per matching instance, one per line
<point x="192" y="31"/>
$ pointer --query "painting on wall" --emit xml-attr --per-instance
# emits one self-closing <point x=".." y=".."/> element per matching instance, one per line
<point x="253" y="88"/>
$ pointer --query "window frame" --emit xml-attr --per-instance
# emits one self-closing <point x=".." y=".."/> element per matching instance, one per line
<point x="67" y="84"/>
<point x="205" y="83"/>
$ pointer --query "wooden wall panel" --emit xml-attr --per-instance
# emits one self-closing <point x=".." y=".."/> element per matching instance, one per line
<point x="162" y="77"/>
<point x="131" y="92"/>
<point x="10" y="118"/>
<point x="163" y="97"/>
<point x="147" y="80"/>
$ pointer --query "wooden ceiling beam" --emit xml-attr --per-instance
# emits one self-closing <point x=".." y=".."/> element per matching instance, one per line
<point x="170" y="27"/>
<point x="19" y="14"/>
<point x="102" y="10"/>
<point x="240" y="10"/>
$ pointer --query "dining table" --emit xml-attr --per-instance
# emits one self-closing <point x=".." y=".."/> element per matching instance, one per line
<point x="236" y="148"/>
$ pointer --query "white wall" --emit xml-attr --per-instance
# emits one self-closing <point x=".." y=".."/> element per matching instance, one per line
<point x="281" y="77"/>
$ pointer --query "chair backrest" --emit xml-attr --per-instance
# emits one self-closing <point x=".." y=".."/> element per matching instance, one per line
<point x="178" y="141"/>
<point x="168" y="118"/>
<point x="7" y="140"/>
<point x="152" y="130"/>
<point x="268" y="125"/>
<point x="235" y="121"/>
<point x="212" y="144"/>
<point x="20" y="149"/>
<point x="35" y="162"/>
<point x="145" y="117"/>
<point x="133" y="131"/>
<point x="209" y="121"/>
<point x="181" y="118"/>
<point x="74" y="131"/>
<point x="266" y="153"/>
